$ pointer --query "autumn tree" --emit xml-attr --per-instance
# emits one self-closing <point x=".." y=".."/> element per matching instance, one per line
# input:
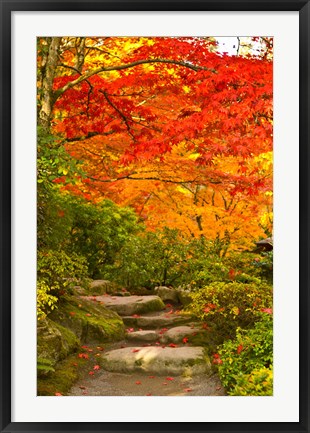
<point x="167" y="126"/>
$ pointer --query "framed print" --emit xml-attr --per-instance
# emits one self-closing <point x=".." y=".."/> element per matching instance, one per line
<point x="152" y="164"/>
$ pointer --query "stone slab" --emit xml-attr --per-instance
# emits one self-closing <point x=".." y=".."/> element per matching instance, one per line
<point x="129" y="305"/>
<point x="177" y="333"/>
<point x="147" y="336"/>
<point x="158" y="360"/>
<point x="158" y="321"/>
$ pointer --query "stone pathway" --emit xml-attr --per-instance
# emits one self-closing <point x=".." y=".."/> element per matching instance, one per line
<point x="159" y="356"/>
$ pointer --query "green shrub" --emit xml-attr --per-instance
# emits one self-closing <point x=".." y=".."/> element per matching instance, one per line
<point x="56" y="272"/>
<point x="150" y="259"/>
<point x="45" y="301"/>
<point x="245" y="363"/>
<point x="98" y="232"/>
<point x="259" y="382"/>
<point x="228" y="306"/>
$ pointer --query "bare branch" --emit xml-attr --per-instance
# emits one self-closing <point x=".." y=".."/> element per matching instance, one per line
<point x="130" y="65"/>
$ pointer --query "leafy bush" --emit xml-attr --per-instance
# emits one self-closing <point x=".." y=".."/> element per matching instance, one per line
<point x="245" y="363"/>
<point x="95" y="231"/>
<point x="56" y="272"/>
<point x="45" y="301"/>
<point x="247" y="267"/>
<point x="98" y="232"/>
<point x="228" y="306"/>
<point x="53" y="163"/>
<point x="150" y="259"/>
<point x="259" y="382"/>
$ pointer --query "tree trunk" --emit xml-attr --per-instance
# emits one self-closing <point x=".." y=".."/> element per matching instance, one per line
<point x="47" y="96"/>
<point x="80" y="54"/>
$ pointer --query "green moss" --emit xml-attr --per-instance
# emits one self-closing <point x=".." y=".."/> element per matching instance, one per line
<point x="89" y="320"/>
<point x="66" y="374"/>
<point x="54" y="342"/>
<point x="70" y="341"/>
<point x="153" y="305"/>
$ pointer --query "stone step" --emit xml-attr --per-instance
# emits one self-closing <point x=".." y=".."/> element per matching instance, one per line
<point x="130" y="305"/>
<point x="178" y="333"/>
<point x="172" y="335"/>
<point x="148" y="336"/>
<point x="156" y="321"/>
<point x="158" y="360"/>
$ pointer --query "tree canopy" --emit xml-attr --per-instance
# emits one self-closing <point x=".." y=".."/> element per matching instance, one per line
<point x="166" y="126"/>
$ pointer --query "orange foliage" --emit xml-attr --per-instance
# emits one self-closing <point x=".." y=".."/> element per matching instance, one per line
<point x="170" y="128"/>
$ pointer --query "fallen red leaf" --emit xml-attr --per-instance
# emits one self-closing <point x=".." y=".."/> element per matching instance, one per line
<point x="136" y="315"/>
<point x="96" y="367"/>
<point x="72" y="313"/>
<point x="88" y="315"/>
<point x="138" y="382"/>
<point x="188" y="389"/>
<point x="148" y="394"/>
<point x="91" y="373"/>
<point x="185" y="340"/>
<point x="84" y="347"/>
<point x="152" y="377"/>
<point x="169" y="378"/>
<point x="130" y="330"/>
<point x="165" y="383"/>
<point x="58" y="394"/>
<point x="239" y="348"/>
<point x="83" y="355"/>
<point x="135" y="350"/>
<point x="100" y="348"/>
<point x="172" y="345"/>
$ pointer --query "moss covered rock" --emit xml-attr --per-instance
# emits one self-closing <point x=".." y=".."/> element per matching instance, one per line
<point x="89" y="320"/>
<point x="99" y="287"/>
<point x="54" y="343"/>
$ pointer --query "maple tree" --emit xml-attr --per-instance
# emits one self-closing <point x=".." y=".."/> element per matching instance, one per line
<point x="167" y="126"/>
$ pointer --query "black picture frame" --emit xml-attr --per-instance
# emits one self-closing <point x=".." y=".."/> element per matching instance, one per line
<point x="7" y="7"/>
